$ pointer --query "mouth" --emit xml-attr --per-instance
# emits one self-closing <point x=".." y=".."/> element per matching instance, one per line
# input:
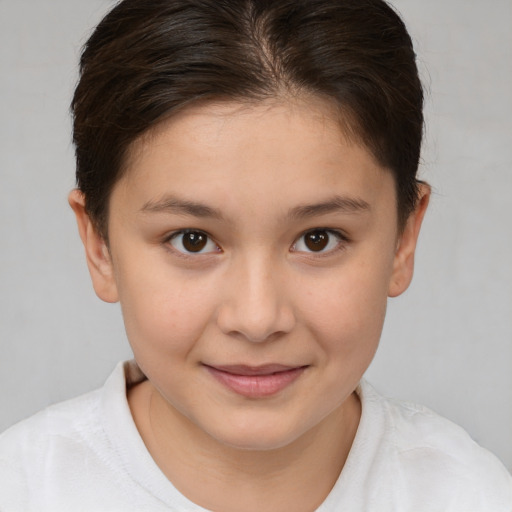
<point x="256" y="381"/>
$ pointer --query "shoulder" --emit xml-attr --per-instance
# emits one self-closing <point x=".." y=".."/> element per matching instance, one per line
<point x="43" y="458"/>
<point x="75" y="422"/>
<point x="435" y="459"/>
<point x="69" y="422"/>
<point x="60" y="421"/>
<point x="58" y="433"/>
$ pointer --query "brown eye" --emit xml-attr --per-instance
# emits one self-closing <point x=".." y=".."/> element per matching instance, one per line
<point x="193" y="242"/>
<point x="316" y="240"/>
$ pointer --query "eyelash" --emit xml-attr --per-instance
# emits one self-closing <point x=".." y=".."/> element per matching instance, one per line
<point x="341" y="241"/>
<point x="209" y="240"/>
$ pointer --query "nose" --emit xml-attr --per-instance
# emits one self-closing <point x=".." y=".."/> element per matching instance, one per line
<point x="255" y="304"/>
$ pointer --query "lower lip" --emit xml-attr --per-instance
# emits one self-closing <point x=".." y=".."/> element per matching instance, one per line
<point x="257" y="386"/>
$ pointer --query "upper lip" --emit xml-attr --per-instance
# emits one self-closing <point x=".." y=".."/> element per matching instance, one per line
<point x="248" y="370"/>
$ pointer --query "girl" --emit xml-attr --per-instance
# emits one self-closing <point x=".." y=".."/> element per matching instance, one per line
<point x="247" y="191"/>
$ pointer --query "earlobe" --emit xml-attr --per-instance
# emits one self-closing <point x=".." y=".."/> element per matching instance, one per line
<point x="403" y="265"/>
<point x="97" y="254"/>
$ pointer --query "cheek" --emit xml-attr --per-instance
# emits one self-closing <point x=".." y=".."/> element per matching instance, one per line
<point x="164" y="313"/>
<point x="346" y="309"/>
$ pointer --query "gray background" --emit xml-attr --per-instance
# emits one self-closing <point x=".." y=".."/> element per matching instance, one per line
<point x="447" y="342"/>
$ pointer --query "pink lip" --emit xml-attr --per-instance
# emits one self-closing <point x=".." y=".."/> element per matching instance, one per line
<point x="256" y="381"/>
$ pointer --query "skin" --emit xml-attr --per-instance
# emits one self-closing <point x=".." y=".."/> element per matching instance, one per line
<point x="260" y="177"/>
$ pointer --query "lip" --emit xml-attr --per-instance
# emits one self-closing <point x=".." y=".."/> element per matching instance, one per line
<point x="256" y="381"/>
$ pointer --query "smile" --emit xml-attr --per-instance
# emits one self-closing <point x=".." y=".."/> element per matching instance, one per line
<point x="256" y="381"/>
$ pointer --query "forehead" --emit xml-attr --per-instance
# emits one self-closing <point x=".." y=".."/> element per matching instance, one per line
<point x="307" y="111"/>
<point x="288" y="151"/>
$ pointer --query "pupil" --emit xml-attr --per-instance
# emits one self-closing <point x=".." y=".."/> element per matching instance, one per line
<point x="194" y="242"/>
<point x="317" y="240"/>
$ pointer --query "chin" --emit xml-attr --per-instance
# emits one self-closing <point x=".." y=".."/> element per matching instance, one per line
<point x="256" y="442"/>
<point x="255" y="434"/>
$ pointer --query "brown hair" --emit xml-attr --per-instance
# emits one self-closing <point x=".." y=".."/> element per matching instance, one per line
<point x="149" y="58"/>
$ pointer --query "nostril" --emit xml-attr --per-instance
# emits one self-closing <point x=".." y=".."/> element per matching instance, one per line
<point x="255" y="326"/>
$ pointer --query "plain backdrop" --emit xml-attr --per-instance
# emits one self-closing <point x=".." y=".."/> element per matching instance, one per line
<point x="447" y="342"/>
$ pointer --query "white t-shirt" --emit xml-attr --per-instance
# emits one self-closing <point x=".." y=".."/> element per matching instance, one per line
<point x="87" y="455"/>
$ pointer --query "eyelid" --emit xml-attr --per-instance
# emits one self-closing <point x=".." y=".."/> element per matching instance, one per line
<point x="341" y="237"/>
<point x="187" y="254"/>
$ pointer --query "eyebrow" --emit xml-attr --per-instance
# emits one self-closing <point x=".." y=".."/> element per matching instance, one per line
<point x="180" y="206"/>
<point x="337" y="204"/>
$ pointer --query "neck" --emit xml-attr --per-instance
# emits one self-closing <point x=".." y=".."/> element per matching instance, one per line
<point x="298" y="476"/>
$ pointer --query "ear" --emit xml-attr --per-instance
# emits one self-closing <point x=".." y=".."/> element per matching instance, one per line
<point x="403" y="264"/>
<point x="96" y="251"/>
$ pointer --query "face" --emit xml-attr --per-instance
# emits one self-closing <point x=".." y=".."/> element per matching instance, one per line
<point x="252" y="249"/>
